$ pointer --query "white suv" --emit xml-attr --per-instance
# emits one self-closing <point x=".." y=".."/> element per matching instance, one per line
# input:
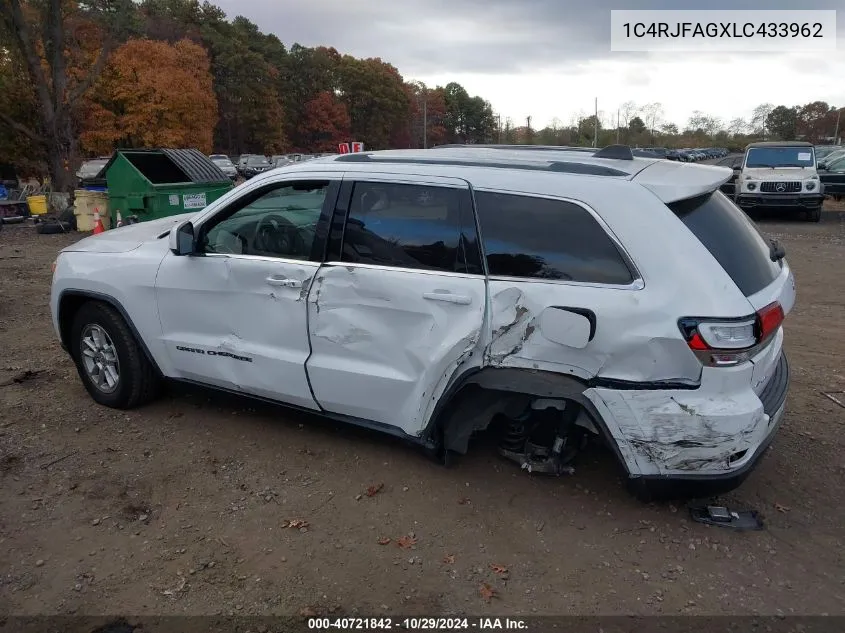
<point x="781" y="174"/>
<point x="428" y="293"/>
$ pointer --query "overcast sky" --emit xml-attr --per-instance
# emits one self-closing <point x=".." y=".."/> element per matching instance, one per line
<point x="551" y="58"/>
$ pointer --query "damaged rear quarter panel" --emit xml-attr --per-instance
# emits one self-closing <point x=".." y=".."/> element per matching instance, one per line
<point x="381" y="350"/>
<point x="636" y="335"/>
<point x="681" y="432"/>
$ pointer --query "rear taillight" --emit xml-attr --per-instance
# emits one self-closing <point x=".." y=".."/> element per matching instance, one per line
<point x="727" y="342"/>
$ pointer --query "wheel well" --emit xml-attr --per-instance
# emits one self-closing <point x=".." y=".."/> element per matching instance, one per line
<point x="473" y="401"/>
<point x="69" y="305"/>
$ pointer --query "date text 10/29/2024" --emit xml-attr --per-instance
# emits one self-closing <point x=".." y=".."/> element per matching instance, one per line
<point x="417" y="624"/>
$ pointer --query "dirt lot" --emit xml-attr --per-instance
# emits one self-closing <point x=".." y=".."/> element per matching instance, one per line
<point x="180" y="507"/>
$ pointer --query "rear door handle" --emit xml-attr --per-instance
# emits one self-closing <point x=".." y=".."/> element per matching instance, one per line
<point x="284" y="282"/>
<point x="448" y="297"/>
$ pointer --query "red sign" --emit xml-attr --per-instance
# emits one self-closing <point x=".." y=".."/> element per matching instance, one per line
<point x="343" y="148"/>
<point x="357" y="146"/>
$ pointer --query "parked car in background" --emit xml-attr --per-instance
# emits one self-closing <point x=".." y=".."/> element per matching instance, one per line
<point x="255" y="165"/>
<point x="734" y="163"/>
<point x="91" y="168"/>
<point x="781" y="175"/>
<point x="830" y="157"/>
<point x="225" y="164"/>
<point x="281" y="161"/>
<point x="832" y="176"/>
<point x="822" y="151"/>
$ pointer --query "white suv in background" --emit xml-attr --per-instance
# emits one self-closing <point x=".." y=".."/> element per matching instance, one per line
<point x="781" y="175"/>
<point x="561" y="294"/>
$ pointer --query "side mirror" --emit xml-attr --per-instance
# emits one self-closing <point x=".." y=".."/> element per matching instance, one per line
<point x="737" y="165"/>
<point x="822" y="166"/>
<point x="182" y="239"/>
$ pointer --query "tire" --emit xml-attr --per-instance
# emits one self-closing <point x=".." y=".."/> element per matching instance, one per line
<point x="814" y="215"/>
<point x="137" y="381"/>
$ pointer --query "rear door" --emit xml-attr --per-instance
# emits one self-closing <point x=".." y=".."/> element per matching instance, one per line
<point x="549" y="260"/>
<point x="400" y="302"/>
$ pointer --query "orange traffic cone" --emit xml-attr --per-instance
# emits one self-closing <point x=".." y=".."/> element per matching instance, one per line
<point x="119" y="221"/>
<point x="98" y="223"/>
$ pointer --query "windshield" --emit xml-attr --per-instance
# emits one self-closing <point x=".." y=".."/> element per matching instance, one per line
<point x="222" y="162"/>
<point x="257" y="161"/>
<point x="780" y="157"/>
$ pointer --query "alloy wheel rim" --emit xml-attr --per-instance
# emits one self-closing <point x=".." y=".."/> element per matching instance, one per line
<point x="99" y="357"/>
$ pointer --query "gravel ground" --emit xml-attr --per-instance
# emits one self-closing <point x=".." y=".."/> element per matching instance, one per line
<point x="181" y="507"/>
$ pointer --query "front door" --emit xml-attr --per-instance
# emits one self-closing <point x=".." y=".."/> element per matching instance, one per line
<point x="400" y="303"/>
<point x="234" y="314"/>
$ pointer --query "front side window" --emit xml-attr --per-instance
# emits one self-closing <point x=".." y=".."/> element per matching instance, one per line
<point x="543" y="238"/>
<point x="280" y="222"/>
<point x="410" y="226"/>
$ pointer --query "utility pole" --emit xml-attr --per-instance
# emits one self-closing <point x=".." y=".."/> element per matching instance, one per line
<point x="425" y="118"/>
<point x="836" y="132"/>
<point x="528" y="138"/>
<point x="617" y="126"/>
<point x="596" y="121"/>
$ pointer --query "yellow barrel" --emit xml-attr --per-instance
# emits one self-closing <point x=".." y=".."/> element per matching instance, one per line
<point x="37" y="204"/>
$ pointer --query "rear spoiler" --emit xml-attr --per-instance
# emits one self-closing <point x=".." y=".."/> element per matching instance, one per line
<point x="672" y="181"/>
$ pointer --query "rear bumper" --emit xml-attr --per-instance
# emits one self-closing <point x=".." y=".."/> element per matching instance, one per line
<point x="711" y="437"/>
<point x="773" y="398"/>
<point x="779" y="200"/>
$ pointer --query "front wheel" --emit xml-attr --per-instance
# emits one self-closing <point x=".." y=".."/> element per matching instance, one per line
<point x="113" y="367"/>
<point x="814" y="215"/>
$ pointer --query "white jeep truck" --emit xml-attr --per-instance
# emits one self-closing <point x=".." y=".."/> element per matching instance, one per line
<point x="781" y="175"/>
<point x="425" y="293"/>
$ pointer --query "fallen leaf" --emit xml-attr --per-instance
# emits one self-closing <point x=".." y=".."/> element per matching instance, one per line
<point x="499" y="569"/>
<point x="307" y="612"/>
<point x="449" y="559"/>
<point x="372" y="491"/>
<point x="487" y="592"/>
<point x="405" y="542"/>
<point x="295" y="523"/>
<point x="464" y="501"/>
<point x="781" y="508"/>
<point x="384" y="540"/>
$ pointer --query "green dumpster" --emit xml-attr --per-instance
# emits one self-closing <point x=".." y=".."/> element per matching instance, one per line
<point x="156" y="183"/>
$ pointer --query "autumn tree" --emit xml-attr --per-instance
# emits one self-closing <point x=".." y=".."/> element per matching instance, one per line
<point x="374" y="94"/>
<point x="325" y="124"/>
<point x="782" y="122"/>
<point x="153" y="94"/>
<point x="759" y="118"/>
<point x="45" y="35"/>
<point x="468" y="119"/>
<point x="816" y="121"/>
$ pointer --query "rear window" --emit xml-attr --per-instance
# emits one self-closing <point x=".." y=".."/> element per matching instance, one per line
<point x="732" y="238"/>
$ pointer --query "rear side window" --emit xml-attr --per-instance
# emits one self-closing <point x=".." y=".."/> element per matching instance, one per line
<point x="542" y="238"/>
<point x="411" y="226"/>
<point x="732" y="238"/>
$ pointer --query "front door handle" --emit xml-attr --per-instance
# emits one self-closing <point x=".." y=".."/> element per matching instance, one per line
<point x="448" y="297"/>
<point x="284" y="282"/>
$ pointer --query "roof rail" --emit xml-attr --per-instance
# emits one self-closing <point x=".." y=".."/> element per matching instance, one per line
<point x="569" y="167"/>
<point x="618" y="152"/>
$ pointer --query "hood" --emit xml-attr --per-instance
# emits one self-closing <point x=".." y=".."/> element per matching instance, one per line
<point x="782" y="173"/>
<point x="127" y="238"/>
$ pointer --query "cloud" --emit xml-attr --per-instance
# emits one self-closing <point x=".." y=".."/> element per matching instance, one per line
<point x="563" y="46"/>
